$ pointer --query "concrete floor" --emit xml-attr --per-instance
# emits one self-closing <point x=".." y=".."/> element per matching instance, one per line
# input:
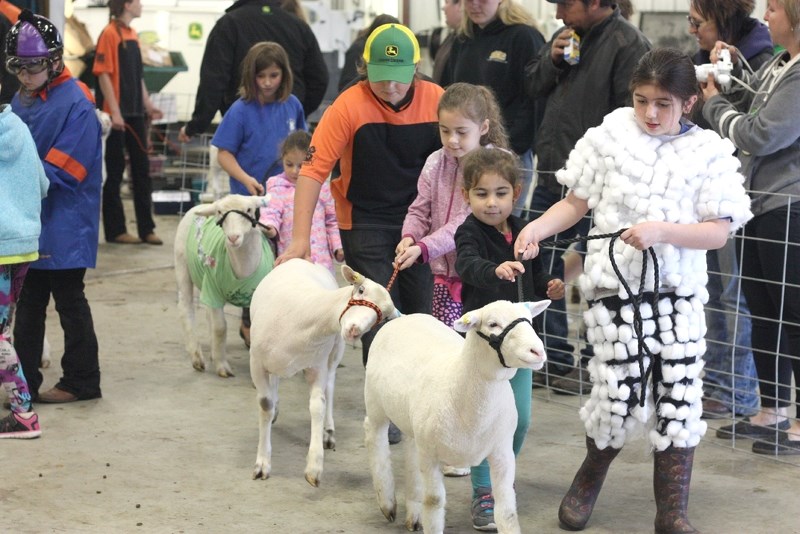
<point x="169" y="449"/>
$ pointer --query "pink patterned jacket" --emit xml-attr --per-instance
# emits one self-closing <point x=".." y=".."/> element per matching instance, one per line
<point x="437" y="212"/>
<point x="279" y="214"/>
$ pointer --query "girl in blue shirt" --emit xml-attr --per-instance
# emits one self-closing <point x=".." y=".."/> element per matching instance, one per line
<point x="250" y="134"/>
<point x="251" y="131"/>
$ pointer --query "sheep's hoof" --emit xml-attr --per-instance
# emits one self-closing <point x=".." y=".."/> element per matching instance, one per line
<point x="413" y="525"/>
<point x="198" y="363"/>
<point x="329" y="441"/>
<point x="225" y="371"/>
<point x="390" y="513"/>
<point x="261" y="471"/>
<point x="313" y="480"/>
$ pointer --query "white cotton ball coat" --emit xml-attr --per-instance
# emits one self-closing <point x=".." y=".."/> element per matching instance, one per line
<point x="628" y="177"/>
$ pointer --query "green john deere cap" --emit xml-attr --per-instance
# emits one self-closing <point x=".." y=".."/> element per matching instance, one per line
<point x="391" y="54"/>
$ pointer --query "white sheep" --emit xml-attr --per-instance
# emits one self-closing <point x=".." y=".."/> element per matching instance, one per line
<point x="452" y="399"/>
<point x="226" y="257"/>
<point x="299" y="321"/>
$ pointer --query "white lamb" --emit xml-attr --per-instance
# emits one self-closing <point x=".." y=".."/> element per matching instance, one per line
<point x="452" y="399"/>
<point x="299" y="321"/>
<point x="226" y="257"/>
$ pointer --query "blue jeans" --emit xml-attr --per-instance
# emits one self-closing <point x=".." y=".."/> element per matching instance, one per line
<point x="526" y="161"/>
<point x="555" y="328"/>
<point x="370" y="252"/>
<point x="730" y="370"/>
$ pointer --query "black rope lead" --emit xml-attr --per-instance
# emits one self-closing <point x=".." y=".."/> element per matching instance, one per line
<point x="636" y="299"/>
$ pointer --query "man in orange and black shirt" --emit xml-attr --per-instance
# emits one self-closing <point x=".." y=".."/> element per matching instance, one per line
<point x="381" y="130"/>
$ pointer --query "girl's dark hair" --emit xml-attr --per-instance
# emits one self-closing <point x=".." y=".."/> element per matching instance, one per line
<point x="297" y="140"/>
<point x="477" y="103"/>
<point x="261" y="56"/>
<point x="483" y="160"/>
<point x="729" y="16"/>
<point x="669" y="69"/>
<point x="379" y="20"/>
<point x="116" y="8"/>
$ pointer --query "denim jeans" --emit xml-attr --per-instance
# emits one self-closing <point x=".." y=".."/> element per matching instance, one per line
<point x="370" y="252"/>
<point x="730" y="372"/>
<point x="555" y="328"/>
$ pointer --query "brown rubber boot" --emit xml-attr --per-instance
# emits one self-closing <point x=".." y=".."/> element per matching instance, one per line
<point x="671" y="476"/>
<point x="577" y="505"/>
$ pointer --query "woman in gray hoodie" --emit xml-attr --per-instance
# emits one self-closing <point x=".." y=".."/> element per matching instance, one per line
<point x="765" y="126"/>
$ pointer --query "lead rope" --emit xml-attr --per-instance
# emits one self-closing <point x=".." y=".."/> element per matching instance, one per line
<point x="392" y="278"/>
<point x="636" y="299"/>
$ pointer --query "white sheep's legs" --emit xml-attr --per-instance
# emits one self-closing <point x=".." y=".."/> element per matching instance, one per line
<point x="216" y="318"/>
<point x="267" y="397"/>
<point x="186" y="313"/>
<point x="414" y="485"/>
<point x="376" y="427"/>
<point x="329" y="438"/>
<point x="434" y="494"/>
<point x="502" y="470"/>
<point x="317" y="379"/>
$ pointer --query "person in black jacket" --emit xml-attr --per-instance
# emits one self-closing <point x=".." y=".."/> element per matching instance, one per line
<point x="244" y="24"/>
<point x="8" y="82"/>
<point x="488" y="268"/>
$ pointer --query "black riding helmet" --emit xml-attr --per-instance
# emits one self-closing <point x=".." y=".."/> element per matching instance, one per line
<point x="34" y="43"/>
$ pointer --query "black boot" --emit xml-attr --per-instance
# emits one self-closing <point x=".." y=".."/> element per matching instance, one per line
<point x="671" y="476"/>
<point x="577" y="505"/>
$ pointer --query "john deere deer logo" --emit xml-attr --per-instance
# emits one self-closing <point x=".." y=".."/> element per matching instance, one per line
<point x="392" y="51"/>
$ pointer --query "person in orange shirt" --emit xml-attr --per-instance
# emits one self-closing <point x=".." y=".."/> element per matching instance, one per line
<point x="381" y="130"/>
<point x="123" y="95"/>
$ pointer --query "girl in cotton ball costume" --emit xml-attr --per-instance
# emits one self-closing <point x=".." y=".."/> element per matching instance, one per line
<point x="675" y="187"/>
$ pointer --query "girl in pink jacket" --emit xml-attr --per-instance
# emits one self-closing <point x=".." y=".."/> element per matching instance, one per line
<point x="469" y="117"/>
<point x="278" y="216"/>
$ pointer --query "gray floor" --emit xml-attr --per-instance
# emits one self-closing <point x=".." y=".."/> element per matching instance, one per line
<point x="169" y="449"/>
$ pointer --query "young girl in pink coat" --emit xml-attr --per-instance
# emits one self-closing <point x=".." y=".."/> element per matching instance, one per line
<point x="278" y="216"/>
<point x="469" y="117"/>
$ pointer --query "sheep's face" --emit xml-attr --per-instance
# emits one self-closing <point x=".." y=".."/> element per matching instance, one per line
<point x="369" y="304"/>
<point x="516" y="340"/>
<point x="237" y="215"/>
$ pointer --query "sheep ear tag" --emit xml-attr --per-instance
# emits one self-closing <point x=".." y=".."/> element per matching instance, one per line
<point x="537" y="307"/>
<point x="466" y="322"/>
<point x="352" y="277"/>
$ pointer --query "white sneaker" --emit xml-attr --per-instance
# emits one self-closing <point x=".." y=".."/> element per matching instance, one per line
<point x="450" y="471"/>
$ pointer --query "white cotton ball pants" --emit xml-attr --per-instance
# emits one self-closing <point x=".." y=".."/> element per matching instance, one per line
<point x="673" y="392"/>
